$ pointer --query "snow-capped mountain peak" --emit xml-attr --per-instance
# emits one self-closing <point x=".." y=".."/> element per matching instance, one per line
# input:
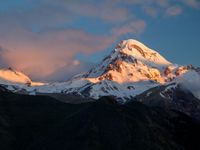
<point x="130" y="69"/>
<point x="130" y="61"/>
<point x="16" y="81"/>
<point x="12" y="76"/>
<point x="141" y="52"/>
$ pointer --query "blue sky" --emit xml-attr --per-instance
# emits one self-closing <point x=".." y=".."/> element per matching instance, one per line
<point x="54" y="40"/>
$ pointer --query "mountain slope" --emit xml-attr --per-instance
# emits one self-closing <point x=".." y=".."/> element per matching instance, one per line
<point x="172" y="97"/>
<point x="38" y="122"/>
<point x="16" y="81"/>
<point x="10" y="76"/>
<point x="129" y="70"/>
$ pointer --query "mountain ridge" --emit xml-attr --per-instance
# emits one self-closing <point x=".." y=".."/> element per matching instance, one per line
<point x="41" y="122"/>
<point x="130" y="69"/>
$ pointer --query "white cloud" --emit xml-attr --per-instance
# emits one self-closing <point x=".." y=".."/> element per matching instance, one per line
<point x="174" y="11"/>
<point x="135" y="27"/>
<point x="191" y="82"/>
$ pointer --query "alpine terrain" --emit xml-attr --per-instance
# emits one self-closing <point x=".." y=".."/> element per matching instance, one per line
<point x="132" y="72"/>
<point x="129" y="70"/>
<point x="133" y="99"/>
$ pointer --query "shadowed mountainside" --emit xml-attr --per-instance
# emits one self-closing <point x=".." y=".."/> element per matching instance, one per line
<point x="43" y="123"/>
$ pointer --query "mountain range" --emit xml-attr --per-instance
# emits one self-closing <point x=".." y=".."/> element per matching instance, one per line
<point x="43" y="123"/>
<point x="132" y="72"/>
<point x="133" y="99"/>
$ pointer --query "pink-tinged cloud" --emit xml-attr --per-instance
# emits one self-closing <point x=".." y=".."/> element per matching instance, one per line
<point x="136" y="27"/>
<point x="151" y="11"/>
<point x="41" y="55"/>
<point x="174" y="11"/>
<point x="3" y="61"/>
<point x="106" y="11"/>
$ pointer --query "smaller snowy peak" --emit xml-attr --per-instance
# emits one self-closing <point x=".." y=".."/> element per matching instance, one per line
<point x="12" y="76"/>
